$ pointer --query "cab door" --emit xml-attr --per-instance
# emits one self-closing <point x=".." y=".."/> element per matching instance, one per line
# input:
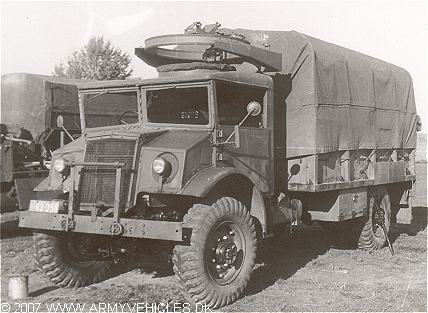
<point x="254" y="154"/>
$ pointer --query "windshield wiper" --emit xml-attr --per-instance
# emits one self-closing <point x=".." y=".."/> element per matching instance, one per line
<point x="100" y="94"/>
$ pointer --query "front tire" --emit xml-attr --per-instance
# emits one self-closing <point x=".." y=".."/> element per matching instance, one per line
<point x="216" y="266"/>
<point x="372" y="236"/>
<point x="63" y="265"/>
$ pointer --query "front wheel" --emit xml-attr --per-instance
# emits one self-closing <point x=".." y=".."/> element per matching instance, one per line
<point x="61" y="259"/>
<point x="216" y="266"/>
<point x="373" y="236"/>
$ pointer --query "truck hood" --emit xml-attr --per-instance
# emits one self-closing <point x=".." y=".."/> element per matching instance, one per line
<point x="178" y="140"/>
<point x="123" y="130"/>
<point x="166" y="139"/>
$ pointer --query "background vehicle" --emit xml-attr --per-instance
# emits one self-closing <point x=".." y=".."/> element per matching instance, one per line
<point x="242" y="132"/>
<point x="30" y="107"/>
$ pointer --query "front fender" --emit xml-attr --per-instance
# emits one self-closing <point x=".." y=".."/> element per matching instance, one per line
<point x="201" y="184"/>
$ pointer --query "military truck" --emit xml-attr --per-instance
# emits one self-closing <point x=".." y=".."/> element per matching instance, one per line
<point x="31" y="106"/>
<point x="243" y="130"/>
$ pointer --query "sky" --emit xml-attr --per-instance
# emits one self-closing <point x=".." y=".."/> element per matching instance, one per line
<point x="35" y="36"/>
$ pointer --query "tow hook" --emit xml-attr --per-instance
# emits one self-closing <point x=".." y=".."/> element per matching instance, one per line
<point x="68" y="224"/>
<point x="380" y="219"/>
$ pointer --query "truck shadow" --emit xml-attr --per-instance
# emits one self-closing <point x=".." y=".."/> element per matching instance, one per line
<point x="280" y="258"/>
<point x="155" y="260"/>
<point x="419" y="223"/>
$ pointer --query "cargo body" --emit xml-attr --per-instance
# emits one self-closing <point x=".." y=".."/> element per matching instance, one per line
<point x="243" y="132"/>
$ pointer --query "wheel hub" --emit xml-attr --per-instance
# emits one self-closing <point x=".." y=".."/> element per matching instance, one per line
<point x="379" y="217"/>
<point x="224" y="254"/>
<point x="226" y="251"/>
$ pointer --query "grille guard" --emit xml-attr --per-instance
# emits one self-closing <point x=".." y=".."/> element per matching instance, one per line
<point x="71" y="199"/>
<point x="93" y="224"/>
<point x="97" y="183"/>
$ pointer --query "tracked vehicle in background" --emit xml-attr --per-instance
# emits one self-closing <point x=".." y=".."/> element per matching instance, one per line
<point x="243" y="130"/>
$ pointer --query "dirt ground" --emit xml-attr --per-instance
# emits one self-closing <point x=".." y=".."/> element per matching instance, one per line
<point x="301" y="271"/>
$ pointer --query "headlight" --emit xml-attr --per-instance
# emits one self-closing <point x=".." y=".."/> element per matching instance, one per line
<point x="160" y="166"/>
<point x="59" y="165"/>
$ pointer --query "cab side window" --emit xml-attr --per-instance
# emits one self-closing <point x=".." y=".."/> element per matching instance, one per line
<point x="232" y="101"/>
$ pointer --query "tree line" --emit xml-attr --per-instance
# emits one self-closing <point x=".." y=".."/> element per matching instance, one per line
<point x="97" y="60"/>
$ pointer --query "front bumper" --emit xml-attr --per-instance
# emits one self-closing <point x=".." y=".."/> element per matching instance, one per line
<point x="125" y="227"/>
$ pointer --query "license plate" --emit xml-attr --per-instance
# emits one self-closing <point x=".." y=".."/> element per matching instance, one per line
<point x="45" y="206"/>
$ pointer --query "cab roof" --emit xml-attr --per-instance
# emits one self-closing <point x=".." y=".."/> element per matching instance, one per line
<point x="183" y="77"/>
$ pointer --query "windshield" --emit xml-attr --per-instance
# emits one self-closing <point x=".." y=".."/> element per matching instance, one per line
<point x="108" y="108"/>
<point x="178" y="105"/>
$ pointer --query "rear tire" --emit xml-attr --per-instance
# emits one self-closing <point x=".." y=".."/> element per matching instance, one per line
<point x="372" y="236"/>
<point x="216" y="266"/>
<point x="63" y="266"/>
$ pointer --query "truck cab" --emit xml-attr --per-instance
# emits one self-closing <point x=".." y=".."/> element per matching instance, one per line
<point x="153" y="154"/>
<point x="172" y="138"/>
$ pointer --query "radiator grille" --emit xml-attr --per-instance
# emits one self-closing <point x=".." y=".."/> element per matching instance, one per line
<point x="98" y="182"/>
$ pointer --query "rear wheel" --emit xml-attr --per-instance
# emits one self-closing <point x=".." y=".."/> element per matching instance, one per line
<point x="216" y="266"/>
<point x="61" y="257"/>
<point x="373" y="236"/>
